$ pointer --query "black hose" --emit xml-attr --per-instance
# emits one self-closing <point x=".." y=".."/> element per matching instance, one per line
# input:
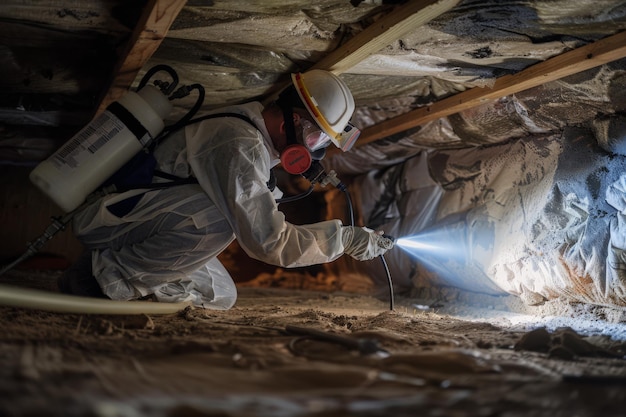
<point x="349" y="202"/>
<point x="343" y="188"/>
<point x="296" y="197"/>
<point x="389" y="283"/>
<point x="184" y="91"/>
<point x="186" y="119"/>
<point x="154" y="70"/>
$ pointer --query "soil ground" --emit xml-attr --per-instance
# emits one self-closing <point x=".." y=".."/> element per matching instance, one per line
<point x="284" y="352"/>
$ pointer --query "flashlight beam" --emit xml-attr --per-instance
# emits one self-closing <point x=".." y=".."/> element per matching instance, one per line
<point x="412" y="244"/>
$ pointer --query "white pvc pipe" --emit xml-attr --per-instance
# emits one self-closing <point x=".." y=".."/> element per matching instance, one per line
<point x="63" y="303"/>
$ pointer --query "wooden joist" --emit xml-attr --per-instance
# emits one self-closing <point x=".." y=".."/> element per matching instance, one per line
<point x="149" y="32"/>
<point x="401" y="21"/>
<point x="586" y="57"/>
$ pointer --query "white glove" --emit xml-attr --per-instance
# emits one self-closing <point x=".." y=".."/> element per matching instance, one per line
<point x="364" y="244"/>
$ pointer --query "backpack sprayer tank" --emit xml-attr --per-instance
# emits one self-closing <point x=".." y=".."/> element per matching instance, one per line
<point x="102" y="147"/>
<point x="81" y="166"/>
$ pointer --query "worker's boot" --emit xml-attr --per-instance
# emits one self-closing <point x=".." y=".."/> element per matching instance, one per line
<point x="78" y="279"/>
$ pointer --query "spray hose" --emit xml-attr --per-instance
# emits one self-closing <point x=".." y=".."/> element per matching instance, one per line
<point x="343" y="188"/>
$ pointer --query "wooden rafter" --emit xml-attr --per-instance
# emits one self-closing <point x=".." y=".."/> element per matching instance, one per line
<point x="155" y="21"/>
<point x="399" y="22"/>
<point x="402" y="20"/>
<point x="586" y="57"/>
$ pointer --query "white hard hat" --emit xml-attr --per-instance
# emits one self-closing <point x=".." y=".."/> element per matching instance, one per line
<point x="330" y="103"/>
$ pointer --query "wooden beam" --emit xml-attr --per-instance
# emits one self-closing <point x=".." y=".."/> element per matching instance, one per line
<point x="402" y="20"/>
<point x="586" y="57"/>
<point x="150" y="31"/>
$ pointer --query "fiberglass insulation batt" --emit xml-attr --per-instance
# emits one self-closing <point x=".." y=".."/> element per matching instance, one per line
<point x="540" y="217"/>
<point x="526" y="203"/>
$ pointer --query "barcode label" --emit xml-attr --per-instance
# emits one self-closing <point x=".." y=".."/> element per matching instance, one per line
<point x="87" y="142"/>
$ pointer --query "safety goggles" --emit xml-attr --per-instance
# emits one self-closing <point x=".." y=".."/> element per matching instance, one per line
<point x="313" y="137"/>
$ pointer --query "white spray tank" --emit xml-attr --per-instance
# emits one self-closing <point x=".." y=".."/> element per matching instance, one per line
<point x="102" y="147"/>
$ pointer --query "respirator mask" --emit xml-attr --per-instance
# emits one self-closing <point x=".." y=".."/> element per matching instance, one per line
<point x="298" y="157"/>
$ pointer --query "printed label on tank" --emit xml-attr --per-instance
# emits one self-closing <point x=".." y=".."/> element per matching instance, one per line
<point x="87" y="142"/>
<point x="145" y="139"/>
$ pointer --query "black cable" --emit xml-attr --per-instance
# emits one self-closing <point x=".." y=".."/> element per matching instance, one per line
<point x="182" y="92"/>
<point x="389" y="282"/>
<point x="186" y="119"/>
<point x="349" y="202"/>
<point x="168" y="90"/>
<point x="296" y="197"/>
<point x="343" y="188"/>
<point x="154" y="70"/>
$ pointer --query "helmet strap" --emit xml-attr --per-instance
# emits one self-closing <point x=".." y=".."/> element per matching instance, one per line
<point x="295" y="158"/>
<point x="290" y="128"/>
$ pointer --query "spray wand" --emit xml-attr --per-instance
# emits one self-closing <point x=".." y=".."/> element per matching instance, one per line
<point x="58" y="224"/>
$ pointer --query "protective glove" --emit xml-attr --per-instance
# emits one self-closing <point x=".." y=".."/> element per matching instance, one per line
<point x="364" y="244"/>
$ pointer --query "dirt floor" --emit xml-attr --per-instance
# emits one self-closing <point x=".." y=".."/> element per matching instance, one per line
<point x="285" y="352"/>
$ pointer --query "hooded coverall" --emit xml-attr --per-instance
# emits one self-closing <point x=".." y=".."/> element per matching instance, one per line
<point x="167" y="245"/>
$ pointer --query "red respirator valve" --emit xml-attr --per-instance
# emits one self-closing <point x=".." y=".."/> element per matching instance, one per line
<point x="296" y="159"/>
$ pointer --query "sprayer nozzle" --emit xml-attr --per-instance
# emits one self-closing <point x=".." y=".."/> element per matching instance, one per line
<point x="393" y="239"/>
<point x="384" y="241"/>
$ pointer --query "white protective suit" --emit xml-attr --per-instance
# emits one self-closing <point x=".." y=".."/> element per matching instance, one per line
<point x="168" y="244"/>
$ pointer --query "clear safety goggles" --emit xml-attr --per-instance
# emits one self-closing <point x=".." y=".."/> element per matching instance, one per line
<point x="313" y="137"/>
